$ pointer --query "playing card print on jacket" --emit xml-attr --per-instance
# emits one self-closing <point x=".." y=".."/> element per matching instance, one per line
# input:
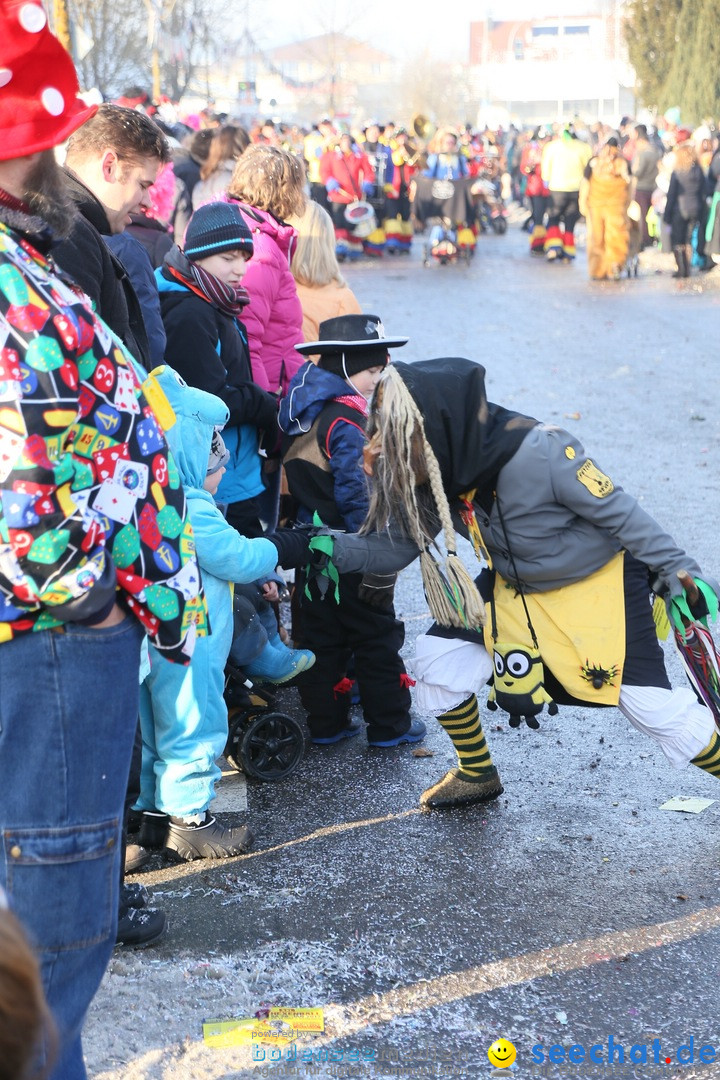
<point x="90" y="498"/>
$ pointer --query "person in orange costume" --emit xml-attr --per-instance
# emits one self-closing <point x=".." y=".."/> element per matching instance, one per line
<point x="604" y="199"/>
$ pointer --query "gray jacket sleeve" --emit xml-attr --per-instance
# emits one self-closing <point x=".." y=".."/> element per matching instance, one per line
<point x="376" y="553"/>
<point x="579" y="484"/>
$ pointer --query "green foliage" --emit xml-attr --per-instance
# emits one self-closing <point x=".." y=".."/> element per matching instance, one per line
<point x="693" y="81"/>
<point x="673" y="46"/>
<point x="653" y="41"/>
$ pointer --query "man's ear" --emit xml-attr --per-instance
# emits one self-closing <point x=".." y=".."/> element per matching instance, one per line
<point x="109" y="164"/>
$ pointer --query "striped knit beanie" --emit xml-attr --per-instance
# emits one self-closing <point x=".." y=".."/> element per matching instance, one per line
<point x="217" y="227"/>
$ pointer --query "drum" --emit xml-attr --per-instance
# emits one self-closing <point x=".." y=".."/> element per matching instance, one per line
<point x="442" y="190"/>
<point x="360" y="217"/>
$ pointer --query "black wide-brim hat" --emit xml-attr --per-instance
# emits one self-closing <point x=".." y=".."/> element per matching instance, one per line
<point x="348" y="333"/>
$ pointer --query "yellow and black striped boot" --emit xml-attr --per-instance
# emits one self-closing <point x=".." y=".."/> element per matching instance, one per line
<point x="709" y="758"/>
<point x="476" y="779"/>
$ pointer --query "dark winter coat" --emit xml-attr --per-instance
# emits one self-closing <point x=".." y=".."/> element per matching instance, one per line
<point x="685" y="197"/>
<point x="134" y="258"/>
<point x="153" y="235"/>
<point x="209" y="349"/>
<point x="187" y="169"/>
<point x="85" y="256"/>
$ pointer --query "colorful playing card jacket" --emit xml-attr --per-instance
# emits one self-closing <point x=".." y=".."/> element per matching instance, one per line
<point x="85" y="471"/>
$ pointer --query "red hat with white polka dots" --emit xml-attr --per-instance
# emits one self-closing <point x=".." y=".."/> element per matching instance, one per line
<point x="39" y="106"/>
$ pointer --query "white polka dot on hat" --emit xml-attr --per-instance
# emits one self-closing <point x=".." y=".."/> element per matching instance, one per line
<point x="32" y="18"/>
<point x="52" y="100"/>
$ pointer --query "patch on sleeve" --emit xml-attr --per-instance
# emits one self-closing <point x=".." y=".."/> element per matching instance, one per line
<point x="570" y="452"/>
<point x="597" y="483"/>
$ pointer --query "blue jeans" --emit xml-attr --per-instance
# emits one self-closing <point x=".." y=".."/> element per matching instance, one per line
<point x="68" y="710"/>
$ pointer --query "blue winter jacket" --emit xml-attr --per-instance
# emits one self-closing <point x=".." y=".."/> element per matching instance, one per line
<point x="223" y="554"/>
<point x="321" y="411"/>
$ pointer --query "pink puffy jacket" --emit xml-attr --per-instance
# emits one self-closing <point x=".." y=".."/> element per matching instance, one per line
<point x="273" y="318"/>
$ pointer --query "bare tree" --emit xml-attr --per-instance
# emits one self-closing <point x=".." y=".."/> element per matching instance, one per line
<point x="436" y="89"/>
<point x="191" y="42"/>
<point x="120" y="55"/>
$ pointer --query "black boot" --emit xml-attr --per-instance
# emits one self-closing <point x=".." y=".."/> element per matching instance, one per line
<point x="207" y="840"/>
<point x="681" y="261"/>
<point x="688" y="260"/>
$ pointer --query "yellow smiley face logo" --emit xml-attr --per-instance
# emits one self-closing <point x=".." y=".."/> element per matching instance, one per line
<point x="501" y="1053"/>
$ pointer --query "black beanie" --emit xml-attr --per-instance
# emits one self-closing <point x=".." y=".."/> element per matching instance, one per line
<point x="355" y="360"/>
<point x="217" y="227"/>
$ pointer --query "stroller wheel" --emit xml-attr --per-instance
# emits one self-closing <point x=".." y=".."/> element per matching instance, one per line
<point x="265" y="745"/>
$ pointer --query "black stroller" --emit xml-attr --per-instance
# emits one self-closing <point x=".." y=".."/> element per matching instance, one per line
<point x="263" y="742"/>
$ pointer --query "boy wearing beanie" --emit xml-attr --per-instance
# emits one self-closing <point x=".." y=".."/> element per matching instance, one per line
<point x="202" y="299"/>
<point x="323" y="417"/>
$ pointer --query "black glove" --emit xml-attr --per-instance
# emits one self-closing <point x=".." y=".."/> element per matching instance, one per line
<point x="378" y="590"/>
<point x="292" y="546"/>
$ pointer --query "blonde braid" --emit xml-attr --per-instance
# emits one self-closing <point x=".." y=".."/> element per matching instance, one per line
<point x="464" y="608"/>
<point x="396" y="422"/>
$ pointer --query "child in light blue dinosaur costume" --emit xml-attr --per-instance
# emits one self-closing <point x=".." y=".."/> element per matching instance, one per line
<point x="183" y="714"/>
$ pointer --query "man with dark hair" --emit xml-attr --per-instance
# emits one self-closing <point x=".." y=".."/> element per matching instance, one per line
<point x="131" y="134"/>
<point x="83" y="473"/>
<point x="112" y="161"/>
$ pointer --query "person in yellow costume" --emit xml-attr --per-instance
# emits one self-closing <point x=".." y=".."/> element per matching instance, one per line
<point x="605" y="195"/>
<point x="561" y="612"/>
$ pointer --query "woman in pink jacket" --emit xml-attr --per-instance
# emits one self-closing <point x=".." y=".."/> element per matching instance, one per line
<point x="269" y="185"/>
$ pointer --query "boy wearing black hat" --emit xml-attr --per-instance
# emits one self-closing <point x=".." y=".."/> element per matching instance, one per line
<point x="323" y="417"/>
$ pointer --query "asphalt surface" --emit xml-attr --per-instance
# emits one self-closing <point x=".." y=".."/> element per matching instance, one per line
<point x="571" y="911"/>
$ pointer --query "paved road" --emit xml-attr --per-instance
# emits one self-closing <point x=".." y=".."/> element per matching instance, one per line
<point x="572" y="910"/>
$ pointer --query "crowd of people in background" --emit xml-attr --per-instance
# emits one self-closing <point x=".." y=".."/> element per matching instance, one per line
<point x="203" y="335"/>
<point x="636" y="185"/>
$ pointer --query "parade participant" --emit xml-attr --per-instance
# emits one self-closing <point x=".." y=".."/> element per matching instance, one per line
<point x="315" y="144"/>
<point x="562" y="168"/>
<point x="448" y="163"/>
<point x="388" y="133"/>
<point x="324" y="419"/>
<point x="84" y="569"/>
<point x="347" y="175"/>
<point x="405" y="159"/>
<point x="603" y="199"/>
<point x="379" y="155"/>
<point x="574" y="558"/>
<point x="535" y="187"/>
